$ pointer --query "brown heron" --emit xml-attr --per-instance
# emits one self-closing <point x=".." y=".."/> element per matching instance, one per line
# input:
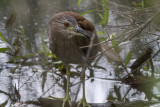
<point x="68" y="32"/>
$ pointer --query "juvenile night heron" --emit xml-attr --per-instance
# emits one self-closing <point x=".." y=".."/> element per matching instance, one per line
<point x="68" y="32"/>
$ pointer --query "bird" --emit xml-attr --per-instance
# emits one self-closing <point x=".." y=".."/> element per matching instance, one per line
<point x="68" y="31"/>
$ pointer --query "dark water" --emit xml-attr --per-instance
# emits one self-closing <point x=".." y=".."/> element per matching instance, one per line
<point x="35" y="77"/>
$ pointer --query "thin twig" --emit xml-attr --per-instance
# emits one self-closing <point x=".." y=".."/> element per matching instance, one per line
<point x="85" y="64"/>
<point x="127" y="93"/>
<point x="131" y="33"/>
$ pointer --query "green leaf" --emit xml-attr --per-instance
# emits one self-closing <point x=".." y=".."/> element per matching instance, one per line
<point x="51" y="55"/>
<point x="145" y="68"/>
<point x="87" y="12"/>
<point x="13" y="71"/>
<point x="105" y="12"/>
<point x="26" y="56"/>
<point x="100" y="33"/>
<point x="3" y="50"/>
<point x="3" y="39"/>
<point x="79" y="1"/>
<point x="101" y="22"/>
<point x="16" y="41"/>
<point x="14" y="59"/>
<point x="101" y="39"/>
<point x="100" y="15"/>
<point x="99" y="67"/>
<point x="44" y="77"/>
<point x="44" y="47"/>
<point x="128" y="58"/>
<point x="4" y="104"/>
<point x="10" y="46"/>
<point x="115" y="42"/>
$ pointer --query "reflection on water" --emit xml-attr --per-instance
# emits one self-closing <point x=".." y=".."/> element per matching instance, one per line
<point x="32" y="74"/>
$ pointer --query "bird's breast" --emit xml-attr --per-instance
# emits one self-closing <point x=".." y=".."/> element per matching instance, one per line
<point x="68" y="50"/>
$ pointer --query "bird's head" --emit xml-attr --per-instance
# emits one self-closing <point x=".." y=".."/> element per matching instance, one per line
<point x="67" y="26"/>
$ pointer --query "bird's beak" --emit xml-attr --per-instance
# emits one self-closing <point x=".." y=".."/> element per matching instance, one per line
<point x="81" y="32"/>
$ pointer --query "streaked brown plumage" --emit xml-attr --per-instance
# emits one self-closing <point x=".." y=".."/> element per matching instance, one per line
<point x="65" y="44"/>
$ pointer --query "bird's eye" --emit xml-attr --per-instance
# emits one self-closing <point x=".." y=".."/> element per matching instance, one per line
<point x="66" y="24"/>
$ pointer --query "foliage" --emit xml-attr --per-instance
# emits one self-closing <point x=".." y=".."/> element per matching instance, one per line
<point x="100" y="33"/>
<point x="5" y="41"/>
<point x="128" y="58"/>
<point x="87" y="12"/>
<point x="3" y="49"/>
<point x="105" y="16"/>
<point x="115" y="43"/>
<point x="79" y="1"/>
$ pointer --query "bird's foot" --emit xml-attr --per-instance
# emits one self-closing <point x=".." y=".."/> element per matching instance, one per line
<point x="65" y="100"/>
<point x="83" y="102"/>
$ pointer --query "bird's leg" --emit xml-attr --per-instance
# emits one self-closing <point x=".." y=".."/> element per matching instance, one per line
<point x="83" y="101"/>
<point x="67" y="97"/>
